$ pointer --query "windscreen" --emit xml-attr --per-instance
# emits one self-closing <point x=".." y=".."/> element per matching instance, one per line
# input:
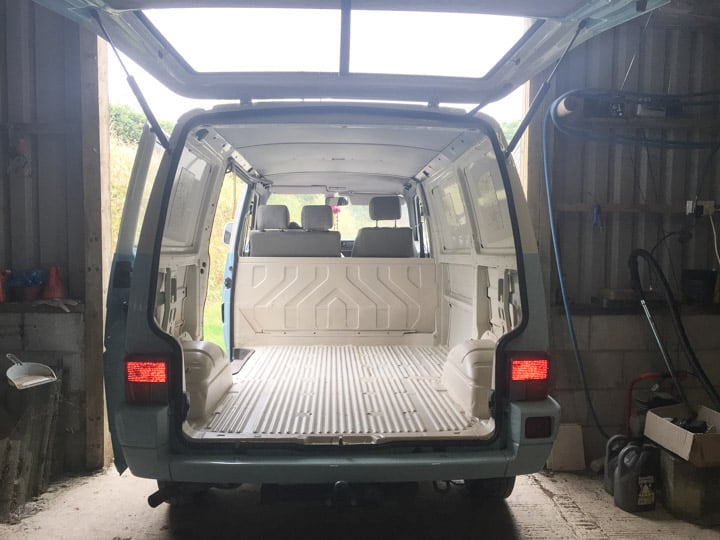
<point x="347" y="219"/>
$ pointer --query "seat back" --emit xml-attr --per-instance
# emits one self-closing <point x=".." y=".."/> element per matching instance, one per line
<point x="384" y="241"/>
<point x="270" y="237"/>
<point x="316" y="240"/>
<point x="274" y="238"/>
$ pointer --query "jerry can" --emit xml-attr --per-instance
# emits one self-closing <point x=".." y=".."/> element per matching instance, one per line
<point x="636" y="478"/>
<point x="612" y="450"/>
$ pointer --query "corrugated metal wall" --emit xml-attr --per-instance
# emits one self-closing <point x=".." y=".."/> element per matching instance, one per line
<point x="54" y="196"/>
<point x="641" y="192"/>
<point x="41" y="198"/>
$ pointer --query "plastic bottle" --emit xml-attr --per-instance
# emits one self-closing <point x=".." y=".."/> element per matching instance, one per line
<point x="612" y="450"/>
<point x="636" y="478"/>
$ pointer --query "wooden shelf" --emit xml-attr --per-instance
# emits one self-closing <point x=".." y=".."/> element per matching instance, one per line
<point x="31" y="307"/>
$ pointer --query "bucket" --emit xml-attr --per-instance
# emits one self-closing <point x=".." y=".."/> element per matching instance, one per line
<point x="612" y="450"/>
<point x="636" y="478"/>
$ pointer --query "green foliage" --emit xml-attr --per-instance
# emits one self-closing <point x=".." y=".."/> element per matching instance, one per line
<point x="126" y="124"/>
<point x="509" y="128"/>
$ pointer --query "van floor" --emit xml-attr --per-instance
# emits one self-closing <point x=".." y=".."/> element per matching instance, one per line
<point x="340" y="394"/>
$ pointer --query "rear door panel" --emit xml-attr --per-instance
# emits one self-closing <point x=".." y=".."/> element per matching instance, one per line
<point x="119" y="288"/>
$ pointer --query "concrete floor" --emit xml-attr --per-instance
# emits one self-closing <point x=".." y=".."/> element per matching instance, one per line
<point x="107" y="506"/>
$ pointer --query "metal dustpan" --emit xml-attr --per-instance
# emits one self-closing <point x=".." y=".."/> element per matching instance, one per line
<point x="25" y="375"/>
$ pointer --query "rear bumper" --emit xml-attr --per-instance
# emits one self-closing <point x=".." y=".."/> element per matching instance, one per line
<point x="150" y="457"/>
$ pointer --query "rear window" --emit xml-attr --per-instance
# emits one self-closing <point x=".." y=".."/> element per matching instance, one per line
<point x="436" y="44"/>
<point x="187" y="202"/>
<point x="454" y="226"/>
<point x="308" y="40"/>
<point x="229" y="39"/>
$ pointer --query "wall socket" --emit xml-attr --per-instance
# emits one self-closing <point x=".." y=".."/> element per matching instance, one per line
<point x="699" y="208"/>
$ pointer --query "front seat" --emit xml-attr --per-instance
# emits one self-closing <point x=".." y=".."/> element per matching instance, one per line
<point x="317" y="238"/>
<point x="271" y="239"/>
<point x="384" y="241"/>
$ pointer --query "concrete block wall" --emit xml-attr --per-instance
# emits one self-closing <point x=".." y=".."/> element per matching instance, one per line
<point x="615" y="349"/>
<point x="56" y="339"/>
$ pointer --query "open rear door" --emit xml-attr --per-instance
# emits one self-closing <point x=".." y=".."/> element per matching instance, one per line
<point x="119" y="286"/>
<point x="136" y="27"/>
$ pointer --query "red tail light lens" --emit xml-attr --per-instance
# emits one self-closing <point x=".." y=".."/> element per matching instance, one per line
<point x="146" y="379"/>
<point x="529" y="376"/>
<point x="146" y="371"/>
<point x="529" y="369"/>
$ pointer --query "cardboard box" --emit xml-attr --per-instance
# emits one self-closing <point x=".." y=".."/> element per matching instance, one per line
<point x="700" y="449"/>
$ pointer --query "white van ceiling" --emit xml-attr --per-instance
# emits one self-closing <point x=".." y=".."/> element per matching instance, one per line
<point x="552" y="25"/>
<point x="343" y="157"/>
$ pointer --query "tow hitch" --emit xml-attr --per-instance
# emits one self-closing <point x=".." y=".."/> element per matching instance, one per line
<point x="181" y="492"/>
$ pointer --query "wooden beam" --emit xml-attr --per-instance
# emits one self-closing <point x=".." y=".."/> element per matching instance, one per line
<point x="96" y="203"/>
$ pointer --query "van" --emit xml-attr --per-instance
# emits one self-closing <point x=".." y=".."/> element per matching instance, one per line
<point x="397" y="333"/>
<point x="383" y="305"/>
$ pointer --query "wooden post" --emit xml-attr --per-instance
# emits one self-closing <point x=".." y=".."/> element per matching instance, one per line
<point x="96" y="194"/>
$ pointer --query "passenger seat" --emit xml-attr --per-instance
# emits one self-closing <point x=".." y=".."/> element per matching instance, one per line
<point x="316" y="239"/>
<point x="384" y="241"/>
<point x="270" y="237"/>
<point x="274" y="238"/>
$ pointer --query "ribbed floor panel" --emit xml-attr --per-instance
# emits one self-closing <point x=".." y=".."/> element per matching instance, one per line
<point x="332" y="394"/>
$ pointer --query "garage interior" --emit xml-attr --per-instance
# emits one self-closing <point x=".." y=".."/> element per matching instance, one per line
<point x="609" y="199"/>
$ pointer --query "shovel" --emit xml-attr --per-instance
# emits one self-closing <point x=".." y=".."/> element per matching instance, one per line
<point x="25" y="375"/>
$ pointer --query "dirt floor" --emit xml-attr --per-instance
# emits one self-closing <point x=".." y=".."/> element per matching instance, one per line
<point x="108" y="506"/>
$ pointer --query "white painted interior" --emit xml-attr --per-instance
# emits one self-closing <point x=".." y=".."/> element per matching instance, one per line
<point x="329" y="296"/>
<point x="319" y="323"/>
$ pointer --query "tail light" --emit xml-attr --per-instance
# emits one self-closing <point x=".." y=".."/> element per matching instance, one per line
<point x="529" y="376"/>
<point x="146" y="379"/>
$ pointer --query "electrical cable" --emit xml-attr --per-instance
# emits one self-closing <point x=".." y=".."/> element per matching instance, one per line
<point x="637" y="50"/>
<point x="558" y="265"/>
<point x="684" y="234"/>
<point x="552" y="116"/>
<point x="593" y="134"/>
<point x="715" y="240"/>
<point x="675" y="317"/>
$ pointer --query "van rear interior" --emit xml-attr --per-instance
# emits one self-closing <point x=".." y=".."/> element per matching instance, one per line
<point x="352" y="348"/>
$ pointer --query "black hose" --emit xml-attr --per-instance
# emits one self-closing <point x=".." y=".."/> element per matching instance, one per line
<point x="614" y="138"/>
<point x="674" y="315"/>
<point x="561" y="279"/>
